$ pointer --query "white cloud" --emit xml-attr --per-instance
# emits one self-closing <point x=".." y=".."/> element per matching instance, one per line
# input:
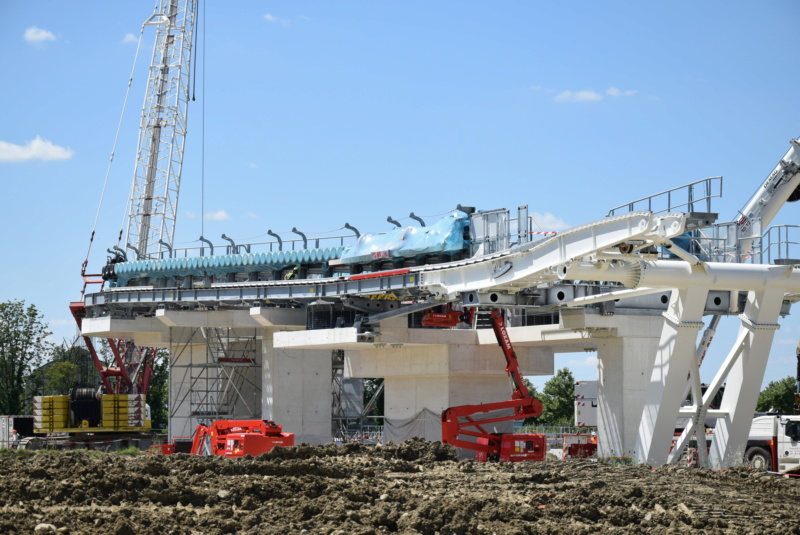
<point x="37" y="35"/>
<point x="38" y="149"/>
<point x="191" y="215"/>
<point x="219" y="215"/>
<point x="590" y="95"/>
<point x="129" y="38"/>
<point x="253" y="165"/>
<point x="250" y="215"/>
<point x="614" y="92"/>
<point x="276" y="20"/>
<point x="547" y="222"/>
<point x="585" y="95"/>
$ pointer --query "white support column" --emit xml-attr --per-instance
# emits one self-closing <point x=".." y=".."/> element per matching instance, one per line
<point x="673" y="362"/>
<point x="624" y="365"/>
<point x="759" y="323"/>
<point x="296" y="390"/>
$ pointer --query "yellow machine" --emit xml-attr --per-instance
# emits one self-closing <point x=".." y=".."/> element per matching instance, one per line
<point x="86" y="411"/>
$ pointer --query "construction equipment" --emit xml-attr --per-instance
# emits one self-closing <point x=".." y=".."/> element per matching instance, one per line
<point x="774" y="443"/>
<point x="579" y="445"/>
<point x="774" y="440"/>
<point x="503" y="447"/>
<point x="150" y="231"/>
<point x="782" y="185"/>
<point x="156" y="182"/>
<point x="797" y="382"/>
<point x="87" y="418"/>
<point x="235" y="438"/>
<point x="448" y="318"/>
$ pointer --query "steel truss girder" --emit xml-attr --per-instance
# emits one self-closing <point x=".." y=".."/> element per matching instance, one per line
<point x="305" y="290"/>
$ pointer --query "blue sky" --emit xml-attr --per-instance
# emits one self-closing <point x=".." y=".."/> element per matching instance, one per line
<point x="321" y="113"/>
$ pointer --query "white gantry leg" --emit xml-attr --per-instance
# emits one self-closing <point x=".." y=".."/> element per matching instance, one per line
<point x="623" y="372"/>
<point x="674" y="359"/>
<point x="744" y="368"/>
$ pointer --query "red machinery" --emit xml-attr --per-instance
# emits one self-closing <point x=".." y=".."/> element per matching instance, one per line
<point x="448" y="318"/>
<point x="504" y="447"/>
<point x="235" y="438"/>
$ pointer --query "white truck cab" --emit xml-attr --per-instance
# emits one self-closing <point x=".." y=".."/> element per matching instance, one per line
<point x="774" y="443"/>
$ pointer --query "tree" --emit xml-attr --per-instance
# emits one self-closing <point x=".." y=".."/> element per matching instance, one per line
<point x="60" y="378"/>
<point x="558" y="400"/>
<point x="23" y="345"/>
<point x="158" y="393"/>
<point x="69" y="366"/>
<point x="534" y="394"/>
<point x="778" y="396"/>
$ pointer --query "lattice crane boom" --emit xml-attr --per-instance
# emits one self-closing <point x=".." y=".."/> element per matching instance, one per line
<point x="153" y="204"/>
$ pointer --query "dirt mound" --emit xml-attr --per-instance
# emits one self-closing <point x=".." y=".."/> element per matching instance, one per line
<point x="413" y="487"/>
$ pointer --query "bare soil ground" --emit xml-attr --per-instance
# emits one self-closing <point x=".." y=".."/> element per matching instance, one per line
<point x="414" y="487"/>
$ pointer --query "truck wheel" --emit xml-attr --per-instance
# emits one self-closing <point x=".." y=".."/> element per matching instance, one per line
<point x="759" y="458"/>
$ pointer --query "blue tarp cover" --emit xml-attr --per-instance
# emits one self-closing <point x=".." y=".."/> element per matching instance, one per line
<point x="444" y="236"/>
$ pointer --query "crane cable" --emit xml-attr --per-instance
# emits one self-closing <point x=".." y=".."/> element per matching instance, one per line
<point x="113" y="151"/>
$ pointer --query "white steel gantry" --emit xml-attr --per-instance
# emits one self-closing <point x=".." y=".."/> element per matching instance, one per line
<point x="153" y="203"/>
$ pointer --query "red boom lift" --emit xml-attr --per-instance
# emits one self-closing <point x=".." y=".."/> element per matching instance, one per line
<point x="503" y="447"/>
<point x="235" y="438"/>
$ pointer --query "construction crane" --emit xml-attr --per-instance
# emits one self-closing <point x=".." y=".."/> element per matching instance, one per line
<point x="782" y="185"/>
<point x="153" y="203"/>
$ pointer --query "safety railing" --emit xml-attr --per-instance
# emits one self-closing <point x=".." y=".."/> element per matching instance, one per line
<point x="781" y="245"/>
<point x="360" y="431"/>
<point x="722" y="243"/>
<point x="694" y="197"/>
<point x="255" y="247"/>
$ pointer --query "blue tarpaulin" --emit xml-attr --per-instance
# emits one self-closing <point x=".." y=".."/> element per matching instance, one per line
<point x="444" y="236"/>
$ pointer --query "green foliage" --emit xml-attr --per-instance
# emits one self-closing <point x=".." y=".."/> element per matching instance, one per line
<point x="158" y="394"/>
<point x="558" y="400"/>
<point x="77" y="354"/>
<point x="371" y="386"/>
<point x="60" y="377"/>
<point x="531" y="388"/>
<point x="778" y="396"/>
<point x="534" y="392"/>
<point x="23" y="345"/>
<point x="69" y="365"/>
<point x="130" y="451"/>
